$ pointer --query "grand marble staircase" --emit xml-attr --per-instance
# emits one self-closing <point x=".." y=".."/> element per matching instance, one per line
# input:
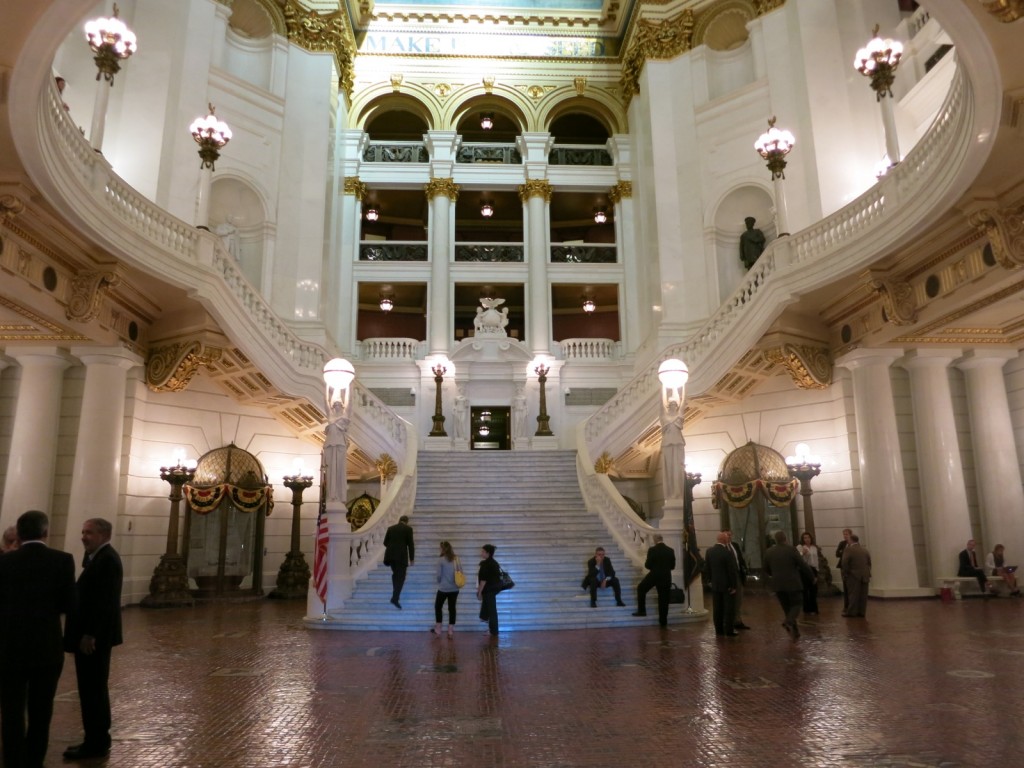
<point x="528" y="504"/>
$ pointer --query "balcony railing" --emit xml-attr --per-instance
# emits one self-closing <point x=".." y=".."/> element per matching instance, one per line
<point x="589" y="349"/>
<point x="390" y="349"/>
<point x="583" y="254"/>
<point x="393" y="251"/>
<point x="489" y="252"/>
<point x="502" y="154"/>
<point x="396" y="152"/>
<point x="579" y="154"/>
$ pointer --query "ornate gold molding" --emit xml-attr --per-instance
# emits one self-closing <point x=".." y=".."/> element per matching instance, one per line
<point x="353" y="186"/>
<point x="764" y="6"/>
<point x="604" y="464"/>
<point x="87" y="289"/>
<point x="810" y="367"/>
<point x="324" y="32"/>
<point x="535" y="188"/>
<point x="1004" y="229"/>
<point x="171" y="368"/>
<point x="621" y="191"/>
<point x="580" y="84"/>
<point x="396" y="82"/>
<point x="898" y="300"/>
<point x="386" y="468"/>
<point x="10" y="206"/>
<point x="446" y="187"/>
<point x="662" y="39"/>
<point x="1005" y="10"/>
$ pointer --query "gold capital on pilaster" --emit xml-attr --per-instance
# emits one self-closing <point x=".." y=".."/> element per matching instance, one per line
<point x="1005" y="10"/>
<point x="621" y="191"/>
<point x="170" y="368"/>
<point x="535" y="188"/>
<point x="437" y="187"/>
<point x="87" y="289"/>
<point x="898" y="302"/>
<point x="353" y="186"/>
<point x="810" y="367"/>
<point x="1004" y="228"/>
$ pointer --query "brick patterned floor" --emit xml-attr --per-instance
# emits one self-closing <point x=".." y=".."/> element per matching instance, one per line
<point x="248" y="685"/>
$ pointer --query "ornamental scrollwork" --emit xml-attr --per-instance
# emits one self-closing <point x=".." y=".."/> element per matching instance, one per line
<point x="10" y="206"/>
<point x="810" y="367"/>
<point x="323" y="33"/>
<point x="898" y="300"/>
<point x="663" y="39"/>
<point x="87" y="289"/>
<point x="353" y="186"/>
<point x="386" y="468"/>
<point x="437" y="187"/>
<point x="1004" y="229"/>
<point x="621" y="191"/>
<point x="171" y="368"/>
<point x="535" y="188"/>
<point x="604" y="464"/>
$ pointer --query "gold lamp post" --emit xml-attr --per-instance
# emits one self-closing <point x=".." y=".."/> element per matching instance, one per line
<point x="773" y="145"/>
<point x="111" y="42"/>
<point x="543" y="419"/>
<point x="804" y="467"/>
<point x="878" y="61"/>
<point x="168" y="588"/>
<point x="438" y="429"/>
<point x="293" y="577"/>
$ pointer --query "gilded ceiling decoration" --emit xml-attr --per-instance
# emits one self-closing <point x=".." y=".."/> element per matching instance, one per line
<point x="170" y="368"/>
<point x="809" y="367"/>
<point x="1004" y="228"/>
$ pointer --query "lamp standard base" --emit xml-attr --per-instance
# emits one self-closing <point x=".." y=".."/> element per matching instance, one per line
<point x="169" y="586"/>
<point x="292" y="579"/>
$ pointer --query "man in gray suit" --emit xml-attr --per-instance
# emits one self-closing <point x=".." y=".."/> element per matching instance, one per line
<point x="787" y="569"/>
<point x="856" y="569"/>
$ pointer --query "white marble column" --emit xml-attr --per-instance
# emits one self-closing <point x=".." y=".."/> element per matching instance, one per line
<point x="887" y="532"/>
<point x="995" y="456"/>
<point x="633" y="268"/>
<point x="943" y="495"/>
<point x="96" y="475"/>
<point x="441" y="193"/>
<point x="536" y="194"/>
<point x="33" y="456"/>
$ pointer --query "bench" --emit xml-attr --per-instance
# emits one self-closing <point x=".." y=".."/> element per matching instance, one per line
<point x="953" y="583"/>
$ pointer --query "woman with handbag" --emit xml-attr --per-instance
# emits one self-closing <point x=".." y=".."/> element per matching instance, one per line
<point x="487" y="587"/>
<point x="450" y="578"/>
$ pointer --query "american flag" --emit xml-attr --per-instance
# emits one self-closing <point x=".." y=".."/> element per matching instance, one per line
<point x="320" y="548"/>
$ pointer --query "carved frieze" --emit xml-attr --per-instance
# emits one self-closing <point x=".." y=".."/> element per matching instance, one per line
<point x="446" y="187"/>
<point x="810" y="367"/>
<point x="898" y="300"/>
<point x="87" y="289"/>
<point x="1004" y="228"/>
<point x="353" y="186"/>
<point x="535" y="188"/>
<point x="170" y="368"/>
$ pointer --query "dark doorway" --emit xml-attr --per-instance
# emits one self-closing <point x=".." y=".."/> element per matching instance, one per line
<point x="489" y="428"/>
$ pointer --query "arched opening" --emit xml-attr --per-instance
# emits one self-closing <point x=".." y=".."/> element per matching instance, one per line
<point x="237" y="216"/>
<point x="745" y="202"/>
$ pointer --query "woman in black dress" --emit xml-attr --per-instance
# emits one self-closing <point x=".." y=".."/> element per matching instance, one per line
<point x="487" y="587"/>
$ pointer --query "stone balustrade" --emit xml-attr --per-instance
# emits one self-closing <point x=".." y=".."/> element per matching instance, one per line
<point x="590" y="349"/>
<point x="391" y="349"/>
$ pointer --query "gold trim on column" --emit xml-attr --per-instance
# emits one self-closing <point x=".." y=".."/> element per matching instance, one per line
<point x="898" y="300"/>
<point x="1004" y="229"/>
<point x="535" y="188"/>
<point x="171" y="368"/>
<point x="437" y="187"/>
<point x="810" y="367"/>
<point x="353" y="186"/>
<point x="1005" y="10"/>
<point x="324" y="33"/>
<point x="87" y="289"/>
<point x="621" y="191"/>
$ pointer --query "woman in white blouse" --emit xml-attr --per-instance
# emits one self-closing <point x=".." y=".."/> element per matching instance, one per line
<point x="995" y="565"/>
<point x="810" y="553"/>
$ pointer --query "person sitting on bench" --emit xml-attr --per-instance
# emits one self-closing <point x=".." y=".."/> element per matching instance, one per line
<point x="969" y="567"/>
<point x="995" y="565"/>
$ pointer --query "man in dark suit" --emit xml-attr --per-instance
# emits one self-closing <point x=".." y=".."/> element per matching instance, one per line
<point x="741" y="564"/>
<point x="969" y="567"/>
<point x="601" y="573"/>
<point x="37" y="585"/>
<point x="399" y="553"/>
<point x="661" y="559"/>
<point x="92" y="634"/>
<point x="724" y="575"/>
<point x="788" y="571"/>
<point x="856" y="569"/>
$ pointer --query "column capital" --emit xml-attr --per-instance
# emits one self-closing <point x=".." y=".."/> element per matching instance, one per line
<point x="353" y="186"/>
<point x="864" y="358"/>
<point x="986" y="358"/>
<point x="113" y="356"/>
<point x="929" y="358"/>
<point x="621" y="191"/>
<point x="442" y="187"/>
<point x="535" y="188"/>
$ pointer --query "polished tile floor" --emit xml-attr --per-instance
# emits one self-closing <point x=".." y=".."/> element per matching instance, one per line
<point x="918" y="683"/>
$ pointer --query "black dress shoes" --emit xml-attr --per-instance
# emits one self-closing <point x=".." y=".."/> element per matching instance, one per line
<point x="395" y="603"/>
<point x="85" y="751"/>
<point x="639" y="613"/>
<point x="740" y="626"/>
<point x="621" y="604"/>
<point x="732" y="634"/>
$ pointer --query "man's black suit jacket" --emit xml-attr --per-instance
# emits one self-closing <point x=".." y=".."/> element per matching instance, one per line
<point x="99" y="602"/>
<point x="37" y="585"/>
<point x="398" y="545"/>
<point x="722" y="569"/>
<point x="966" y="567"/>
<point x="609" y="571"/>
<point x="661" y="559"/>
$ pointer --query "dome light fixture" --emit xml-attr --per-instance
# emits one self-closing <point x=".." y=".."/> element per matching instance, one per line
<point x="589" y="306"/>
<point x="387" y="302"/>
<point x="487" y="210"/>
<point x="372" y="214"/>
<point x="486" y="120"/>
<point x="600" y="216"/>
